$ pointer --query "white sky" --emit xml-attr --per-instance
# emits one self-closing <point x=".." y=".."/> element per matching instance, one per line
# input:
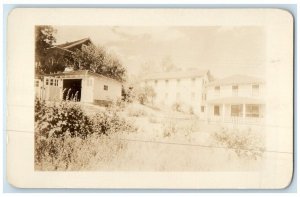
<point x="222" y="50"/>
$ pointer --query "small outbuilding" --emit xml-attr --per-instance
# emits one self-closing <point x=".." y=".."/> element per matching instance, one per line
<point x="80" y="85"/>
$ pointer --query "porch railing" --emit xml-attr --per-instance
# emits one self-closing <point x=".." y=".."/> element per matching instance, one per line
<point x="236" y="120"/>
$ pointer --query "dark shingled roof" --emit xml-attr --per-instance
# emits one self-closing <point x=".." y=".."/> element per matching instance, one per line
<point x="68" y="46"/>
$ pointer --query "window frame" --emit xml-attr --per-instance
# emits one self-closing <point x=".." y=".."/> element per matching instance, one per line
<point x="202" y="109"/>
<point x="216" y="107"/>
<point x="238" y="112"/>
<point x="235" y="90"/>
<point x="217" y="90"/>
<point x="105" y="87"/>
<point x="255" y="92"/>
<point x="252" y="114"/>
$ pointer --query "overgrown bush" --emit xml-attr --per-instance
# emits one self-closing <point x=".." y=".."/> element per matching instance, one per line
<point x="177" y="107"/>
<point x="57" y="119"/>
<point x="169" y="129"/>
<point x="109" y="121"/>
<point x="246" y="144"/>
<point x="180" y="128"/>
<point x="62" y="130"/>
<point x="75" y="153"/>
<point x="128" y="94"/>
<point x="145" y="95"/>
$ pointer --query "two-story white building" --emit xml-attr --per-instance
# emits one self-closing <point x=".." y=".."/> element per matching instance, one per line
<point x="236" y="99"/>
<point x="184" y="89"/>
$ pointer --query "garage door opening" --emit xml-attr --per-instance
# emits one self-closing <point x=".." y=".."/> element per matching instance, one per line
<point x="72" y="89"/>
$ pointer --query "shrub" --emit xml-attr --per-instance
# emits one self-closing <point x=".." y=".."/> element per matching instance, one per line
<point x="244" y="143"/>
<point x="169" y="129"/>
<point x="120" y="104"/>
<point x="74" y="153"/>
<point x="127" y="94"/>
<point x="145" y="94"/>
<point x="65" y="136"/>
<point x="57" y="119"/>
<point x="177" y="107"/>
<point x="109" y="121"/>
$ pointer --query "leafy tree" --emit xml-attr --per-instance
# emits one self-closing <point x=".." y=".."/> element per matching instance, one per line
<point x="44" y="39"/>
<point x="97" y="60"/>
<point x="145" y="94"/>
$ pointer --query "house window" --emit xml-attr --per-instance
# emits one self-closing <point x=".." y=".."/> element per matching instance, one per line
<point x="255" y="90"/>
<point x="155" y="82"/>
<point x="106" y="87"/>
<point x="202" y="108"/>
<point x="235" y="90"/>
<point x="178" y="81"/>
<point x="217" y="90"/>
<point x="216" y="110"/>
<point x="51" y="82"/>
<point x="203" y="97"/>
<point x="236" y="110"/>
<point x="47" y="81"/>
<point x="193" y="81"/>
<point x="193" y="95"/>
<point x="252" y="111"/>
<point x="167" y="81"/>
<point x="36" y="83"/>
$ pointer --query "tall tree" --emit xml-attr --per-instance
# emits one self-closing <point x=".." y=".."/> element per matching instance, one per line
<point x="44" y="39"/>
<point x="96" y="59"/>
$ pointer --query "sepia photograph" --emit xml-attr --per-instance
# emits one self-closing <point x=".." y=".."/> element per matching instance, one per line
<point x="203" y="101"/>
<point x="149" y="98"/>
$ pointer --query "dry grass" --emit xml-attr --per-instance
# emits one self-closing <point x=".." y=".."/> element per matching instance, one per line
<point x="177" y="143"/>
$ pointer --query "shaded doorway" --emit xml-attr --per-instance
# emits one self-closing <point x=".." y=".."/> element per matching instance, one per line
<point x="72" y="89"/>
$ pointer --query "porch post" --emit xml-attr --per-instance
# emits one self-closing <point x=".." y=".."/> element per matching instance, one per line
<point x="223" y="112"/>
<point x="207" y="112"/>
<point x="244" y="112"/>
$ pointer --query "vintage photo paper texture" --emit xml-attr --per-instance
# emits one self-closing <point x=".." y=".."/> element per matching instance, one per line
<point x="150" y="98"/>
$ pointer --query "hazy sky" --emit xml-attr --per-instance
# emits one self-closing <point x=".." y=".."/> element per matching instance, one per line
<point x="222" y="50"/>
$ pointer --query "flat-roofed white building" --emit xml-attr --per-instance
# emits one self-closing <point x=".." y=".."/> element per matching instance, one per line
<point x="182" y="89"/>
<point x="82" y="85"/>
